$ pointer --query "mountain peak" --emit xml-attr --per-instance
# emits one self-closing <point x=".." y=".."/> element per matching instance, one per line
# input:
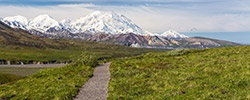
<point x="107" y="14"/>
<point x="18" y="18"/>
<point x="44" y="16"/>
<point x="15" y="17"/>
<point x="104" y="13"/>
<point x="16" y="21"/>
<point x="44" y="22"/>
<point x="105" y="22"/>
<point x="172" y="34"/>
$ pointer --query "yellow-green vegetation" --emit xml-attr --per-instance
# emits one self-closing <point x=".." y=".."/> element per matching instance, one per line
<point x="218" y="73"/>
<point x="6" y="78"/>
<point x="60" y="83"/>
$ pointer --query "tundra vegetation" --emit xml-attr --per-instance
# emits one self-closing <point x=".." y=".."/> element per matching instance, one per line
<point x="217" y="73"/>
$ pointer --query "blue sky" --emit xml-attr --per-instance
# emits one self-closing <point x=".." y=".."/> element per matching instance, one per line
<point x="151" y="15"/>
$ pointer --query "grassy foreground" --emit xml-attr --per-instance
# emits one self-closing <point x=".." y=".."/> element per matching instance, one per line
<point x="218" y="73"/>
<point x="60" y="83"/>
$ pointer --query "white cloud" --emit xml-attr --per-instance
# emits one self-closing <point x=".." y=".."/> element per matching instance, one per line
<point x="205" y="17"/>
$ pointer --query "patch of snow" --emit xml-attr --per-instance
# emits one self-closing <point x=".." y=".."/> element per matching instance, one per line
<point x="136" y="45"/>
<point x="171" y="34"/>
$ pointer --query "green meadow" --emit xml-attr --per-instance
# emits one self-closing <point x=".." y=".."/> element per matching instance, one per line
<point x="217" y="73"/>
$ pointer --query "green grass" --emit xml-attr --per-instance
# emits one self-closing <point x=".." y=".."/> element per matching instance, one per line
<point x="218" y="73"/>
<point x="7" y="78"/>
<point x="60" y="83"/>
<point x="22" y="71"/>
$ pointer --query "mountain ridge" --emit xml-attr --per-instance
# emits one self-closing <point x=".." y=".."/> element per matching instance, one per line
<point x="96" y="22"/>
<point x="108" y="27"/>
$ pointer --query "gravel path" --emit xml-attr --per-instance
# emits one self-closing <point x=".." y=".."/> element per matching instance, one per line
<point x="97" y="87"/>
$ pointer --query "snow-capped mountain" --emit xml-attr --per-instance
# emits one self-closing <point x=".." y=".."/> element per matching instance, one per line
<point x="96" y="22"/>
<point x="16" y="22"/>
<point x="43" y="23"/>
<point x="171" y="34"/>
<point x="104" y="22"/>
<point x="111" y="28"/>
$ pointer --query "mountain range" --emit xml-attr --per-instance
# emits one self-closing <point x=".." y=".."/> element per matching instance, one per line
<point x="108" y="27"/>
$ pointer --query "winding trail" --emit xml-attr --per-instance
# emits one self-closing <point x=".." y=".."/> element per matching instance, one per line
<point x="97" y="87"/>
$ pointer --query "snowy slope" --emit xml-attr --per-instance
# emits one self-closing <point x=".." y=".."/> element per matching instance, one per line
<point x="107" y="22"/>
<point x="16" y="22"/>
<point x="171" y="34"/>
<point x="66" y="23"/>
<point x="43" y="23"/>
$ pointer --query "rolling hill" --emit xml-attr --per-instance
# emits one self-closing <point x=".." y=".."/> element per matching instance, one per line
<point x="217" y="73"/>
